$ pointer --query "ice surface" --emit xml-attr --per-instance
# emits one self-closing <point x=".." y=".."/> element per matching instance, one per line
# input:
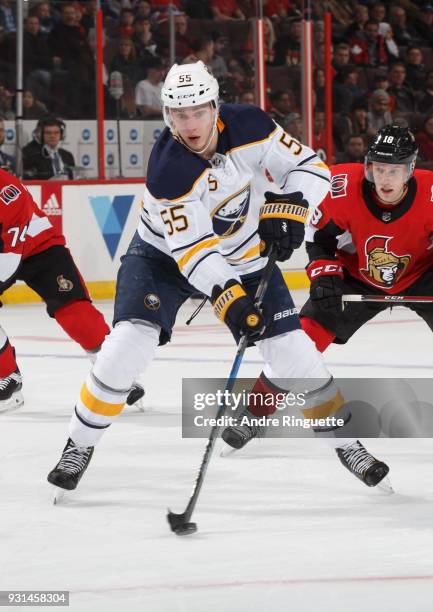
<point x="282" y="526"/>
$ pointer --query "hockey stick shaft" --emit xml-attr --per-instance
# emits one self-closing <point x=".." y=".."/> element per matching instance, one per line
<point x="390" y="299"/>
<point x="260" y="294"/>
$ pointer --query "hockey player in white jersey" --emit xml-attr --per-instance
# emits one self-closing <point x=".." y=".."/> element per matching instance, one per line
<point x="210" y="216"/>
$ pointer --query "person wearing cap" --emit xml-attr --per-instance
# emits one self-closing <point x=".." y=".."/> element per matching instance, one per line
<point x="148" y="91"/>
<point x="379" y="113"/>
<point x="226" y="188"/>
<point x="424" y="24"/>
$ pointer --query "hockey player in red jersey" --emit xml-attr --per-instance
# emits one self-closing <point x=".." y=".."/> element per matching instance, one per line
<point x="371" y="235"/>
<point x="32" y="251"/>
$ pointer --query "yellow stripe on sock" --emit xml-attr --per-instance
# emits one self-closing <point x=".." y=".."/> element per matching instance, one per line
<point x="97" y="406"/>
<point x="326" y="409"/>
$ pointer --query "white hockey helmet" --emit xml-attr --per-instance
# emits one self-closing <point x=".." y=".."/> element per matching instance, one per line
<point x="188" y="85"/>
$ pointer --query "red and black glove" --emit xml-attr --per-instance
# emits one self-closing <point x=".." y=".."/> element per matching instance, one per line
<point x="282" y="223"/>
<point x="326" y="277"/>
<point x="233" y="306"/>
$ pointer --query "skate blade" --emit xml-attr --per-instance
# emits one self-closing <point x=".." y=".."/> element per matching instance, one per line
<point x="385" y="486"/>
<point x="228" y="450"/>
<point x="12" y="403"/>
<point x="59" y="494"/>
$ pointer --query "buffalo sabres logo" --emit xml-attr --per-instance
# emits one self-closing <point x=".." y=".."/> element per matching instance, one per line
<point x="152" y="301"/>
<point x="64" y="283"/>
<point x="229" y="216"/>
<point x="383" y="267"/>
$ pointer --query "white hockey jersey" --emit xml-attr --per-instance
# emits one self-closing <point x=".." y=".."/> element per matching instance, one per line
<point x="205" y="214"/>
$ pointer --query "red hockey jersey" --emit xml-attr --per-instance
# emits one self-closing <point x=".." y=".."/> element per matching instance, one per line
<point x="24" y="229"/>
<point x="386" y="248"/>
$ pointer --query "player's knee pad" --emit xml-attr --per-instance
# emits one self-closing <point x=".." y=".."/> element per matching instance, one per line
<point x="292" y="355"/>
<point x="126" y="353"/>
<point x="83" y="323"/>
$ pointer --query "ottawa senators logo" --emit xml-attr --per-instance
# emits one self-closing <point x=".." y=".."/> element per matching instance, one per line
<point x="64" y="283"/>
<point x="229" y="216"/>
<point x="383" y="267"/>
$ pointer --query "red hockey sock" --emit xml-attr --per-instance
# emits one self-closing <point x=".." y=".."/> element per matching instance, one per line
<point x="264" y="400"/>
<point x="321" y="336"/>
<point x="83" y="323"/>
<point x="8" y="362"/>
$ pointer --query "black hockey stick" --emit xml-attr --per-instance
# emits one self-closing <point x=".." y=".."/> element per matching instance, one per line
<point x="181" y="523"/>
<point x="391" y="299"/>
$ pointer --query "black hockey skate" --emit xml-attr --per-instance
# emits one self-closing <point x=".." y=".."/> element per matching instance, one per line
<point x="71" y="467"/>
<point x="135" y="395"/>
<point x="10" y="392"/>
<point x="237" y="436"/>
<point x="364" y="466"/>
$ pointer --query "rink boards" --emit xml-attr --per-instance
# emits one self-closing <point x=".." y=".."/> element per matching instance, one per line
<point x="98" y="219"/>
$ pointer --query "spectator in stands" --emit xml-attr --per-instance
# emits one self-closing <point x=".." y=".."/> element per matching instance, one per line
<point x="47" y="21"/>
<point x="425" y="105"/>
<point x="6" y="103"/>
<point x="247" y="97"/>
<point x="379" y="114"/>
<point x="355" y="149"/>
<point x="282" y="105"/>
<point x="8" y="16"/>
<point x="360" y="18"/>
<point x="47" y="159"/>
<point x="7" y="162"/>
<point x="246" y="59"/>
<point x="277" y="9"/>
<point x="424" y="24"/>
<point x="424" y="139"/>
<point x="378" y="12"/>
<point x="143" y="10"/>
<point x="385" y="30"/>
<point x="183" y="41"/>
<point x="224" y="10"/>
<point x="293" y="125"/>
<point x="73" y="55"/>
<point x="38" y="61"/>
<point x="33" y="108"/>
<point x="368" y="48"/>
<point x="88" y="18"/>
<point x="202" y="49"/>
<point x="288" y="47"/>
<point x="143" y="39"/>
<point x="415" y="69"/>
<point x="354" y="122"/>
<point x="398" y="21"/>
<point x="269" y="40"/>
<point x="125" y="61"/>
<point x="345" y="89"/>
<point x="218" y="64"/>
<point x="401" y="91"/>
<point x="341" y="57"/>
<point x="126" y="23"/>
<point x="148" y="91"/>
<point x="198" y="9"/>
